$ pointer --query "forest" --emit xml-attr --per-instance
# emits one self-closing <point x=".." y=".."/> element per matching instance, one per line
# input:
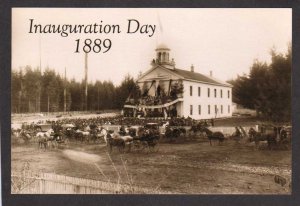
<point x="28" y="84"/>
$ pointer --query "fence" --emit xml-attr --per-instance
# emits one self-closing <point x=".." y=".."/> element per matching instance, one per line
<point x="48" y="183"/>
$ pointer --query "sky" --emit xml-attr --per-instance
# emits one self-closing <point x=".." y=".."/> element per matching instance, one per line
<point x="224" y="41"/>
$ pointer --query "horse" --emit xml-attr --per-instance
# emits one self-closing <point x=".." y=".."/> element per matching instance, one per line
<point x="172" y="133"/>
<point x="25" y="135"/>
<point x="115" y="140"/>
<point x="253" y="136"/>
<point x="44" y="138"/>
<point x="213" y="135"/>
<point x="238" y="134"/>
<point x="256" y="137"/>
<point x="82" y="135"/>
<point x="99" y="133"/>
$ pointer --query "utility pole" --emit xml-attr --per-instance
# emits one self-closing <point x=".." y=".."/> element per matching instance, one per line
<point x="39" y="84"/>
<point x="86" y="81"/>
<point x="65" y="91"/>
<point x="21" y="92"/>
<point x="98" y="97"/>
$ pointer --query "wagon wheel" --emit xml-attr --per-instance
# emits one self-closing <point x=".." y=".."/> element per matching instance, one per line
<point x="109" y="148"/>
<point x="154" y="147"/>
<point x="98" y="140"/>
<point x="137" y="145"/>
<point x="67" y="142"/>
<point x="87" y="140"/>
<point x="54" y="144"/>
<point x="284" y="144"/>
<point x="143" y="145"/>
<point x="129" y="147"/>
<point x="121" y="148"/>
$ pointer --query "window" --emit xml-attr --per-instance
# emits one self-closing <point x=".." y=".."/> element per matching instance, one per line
<point x="221" y="108"/>
<point x="221" y="93"/>
<point x="191" y="90"/>
<point x="228" y="94"/>
<point x="215" y="91"/>
<point x="208" y="92"/>
<point x="199" y="109"/>
<point x="216" y="109"/>
<point x="228" y="108"/>
<point x="199" y="91"/>
<point x="208" y="109"/>
<point x="191" y="109"/>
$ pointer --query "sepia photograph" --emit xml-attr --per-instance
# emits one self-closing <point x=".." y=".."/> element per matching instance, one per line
<point x="151" y="101"/>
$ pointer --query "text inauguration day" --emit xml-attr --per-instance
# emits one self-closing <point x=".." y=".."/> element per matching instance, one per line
<point x="133" y="27"/>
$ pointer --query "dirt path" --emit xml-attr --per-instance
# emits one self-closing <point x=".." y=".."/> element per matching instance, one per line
<point x="82" y="157"/>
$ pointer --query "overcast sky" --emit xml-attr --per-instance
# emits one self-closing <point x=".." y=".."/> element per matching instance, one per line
<point x="224" y="41"/>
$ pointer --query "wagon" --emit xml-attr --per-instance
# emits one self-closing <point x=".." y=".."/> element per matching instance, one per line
<point x="68" y="130"/>
<point x="278" y="137"/>
<point x="146" y="137"/>
<point x="59" y="139"/>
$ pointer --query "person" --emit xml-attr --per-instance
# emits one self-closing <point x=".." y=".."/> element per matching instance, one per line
<point x="237" y="132"/>
<point x="165" y="113"/>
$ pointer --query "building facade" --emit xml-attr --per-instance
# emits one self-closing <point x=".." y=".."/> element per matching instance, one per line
<point x="168" y="91"/>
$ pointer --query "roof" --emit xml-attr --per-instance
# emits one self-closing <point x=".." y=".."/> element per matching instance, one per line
<point x="198" y="77"/>
<point x="162" y="47"/>
<point x="188" y="75"/>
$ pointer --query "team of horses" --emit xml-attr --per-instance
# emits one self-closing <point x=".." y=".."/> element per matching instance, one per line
<point x="139" y="138"/>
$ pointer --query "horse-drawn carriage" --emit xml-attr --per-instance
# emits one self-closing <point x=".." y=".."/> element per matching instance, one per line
<point x="135" y="138"/>
<point x="277" y="137"/>
<point x="68" y="130"/>
<point x="148" y="137"/>
<point x="48" y="137"/>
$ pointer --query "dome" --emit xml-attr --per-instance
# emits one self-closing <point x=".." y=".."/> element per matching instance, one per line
<point x="162" y="47"/>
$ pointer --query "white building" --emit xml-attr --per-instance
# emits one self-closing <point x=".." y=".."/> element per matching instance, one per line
<point x="203" y="97"/>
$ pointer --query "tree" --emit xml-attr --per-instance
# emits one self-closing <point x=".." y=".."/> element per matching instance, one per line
<point x="31" y="88"/>
<point x="128" y="88"/>
<point x="15" y="91"/>
<point x="267" y="88"/>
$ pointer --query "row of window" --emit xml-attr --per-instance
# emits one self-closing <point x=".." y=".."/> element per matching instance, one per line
<point x="208" y="92"/>
<point x="209" y="109"/>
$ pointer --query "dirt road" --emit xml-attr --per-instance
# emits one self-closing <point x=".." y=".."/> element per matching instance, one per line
<point x="192" y="167"/>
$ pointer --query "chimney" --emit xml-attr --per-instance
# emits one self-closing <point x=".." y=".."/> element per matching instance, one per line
<point x="210" y="73"/>
<point x="192" y="68"/>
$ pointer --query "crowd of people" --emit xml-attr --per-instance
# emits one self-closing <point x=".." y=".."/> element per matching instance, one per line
<point x="81" y="123"/>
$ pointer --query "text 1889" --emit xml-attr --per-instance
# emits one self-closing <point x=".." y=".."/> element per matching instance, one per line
<point x="95" y="46"/>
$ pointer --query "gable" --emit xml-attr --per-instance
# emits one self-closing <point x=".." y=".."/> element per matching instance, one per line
<point x="159" y="73"/>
